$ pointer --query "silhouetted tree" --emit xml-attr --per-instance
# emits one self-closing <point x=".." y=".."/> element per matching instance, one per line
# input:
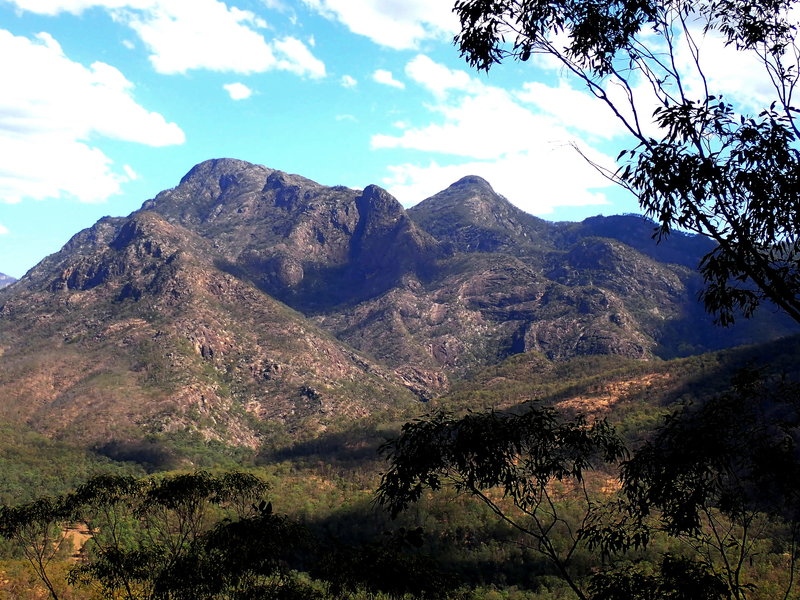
<point x="721" y="474"/>
<point x="701" y="163"/>
<point x="537" y="459"/>
<point x="204" y="536"/>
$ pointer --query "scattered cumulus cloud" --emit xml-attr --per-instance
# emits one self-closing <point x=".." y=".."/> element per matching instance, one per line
<point x="729" y="72"/>
<point x="572" y="108"/>
<point x="51" y="107"/>
<point x="346" y="118"/>
<point x="522" y="141"/>
<point x="399" y="25"/>
<point x="535" y="181"/>
<point x="75" y="7"/>
<point x="348" y="81"/>
<point x="202" y="34"/>
<point x="438" y="78"/>
<point x="386" y="78"/>
<point x="295" y="57"/>
<point x="277" y="5"/>
<point x="238" y="91"/>
<point x="3" y="229"/>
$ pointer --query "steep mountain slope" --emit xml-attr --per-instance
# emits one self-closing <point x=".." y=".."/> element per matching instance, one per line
<point x="131" y="329"/>
<point x="472" y="217"/>
<point x="309" y="245"/>
<point x="639" y="233"/>
<point x="246" y="299"/>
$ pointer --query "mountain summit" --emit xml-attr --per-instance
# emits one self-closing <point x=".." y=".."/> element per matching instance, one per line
<point x="473" y="217"/>
<point x="246" y="298"/>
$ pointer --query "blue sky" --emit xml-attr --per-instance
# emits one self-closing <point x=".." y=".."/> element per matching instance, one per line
<point x="104" y="103"/>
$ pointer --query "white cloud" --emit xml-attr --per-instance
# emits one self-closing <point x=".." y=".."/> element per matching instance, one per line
<point x="738" y="76"/>
<point x="519" y="141"/>
<point x="276" y="5"/>
<point x="295" y="57"/>
<point x="183" y="35"/>
<point x="238" y="91"/>
<point x="3" y="229"/>
<point x="392" y="23"/>
<point x="49" y="110"/>
<point x="76" y="7"/>
<point x="573" y="108"/>
<point x="437" y="78"/>
<point x="346" y="117"/>
<point x="130" y="173"/>
<point x="535" y="181"/>
<point x="348" y="81"/>
<point x="202" y="34"/>
<point x="482" y="125"/>
<point x="386" y="78"/>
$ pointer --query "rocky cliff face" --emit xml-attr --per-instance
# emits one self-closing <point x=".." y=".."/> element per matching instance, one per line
<point x="246" y="297"/>
<point x="309" y="245"/>
<point x="132" y="329"/>
<point x="471" y="217"/>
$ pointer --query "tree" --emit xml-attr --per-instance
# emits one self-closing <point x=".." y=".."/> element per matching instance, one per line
<point x="536" y="458"/>
<point x="678" y="579"/>
<point x="146" y="532"/>
<point x="720" y="474"/>
<point x="204" y="536"/>
<point x="703" y="163"/>
<point x="38" y="529"/>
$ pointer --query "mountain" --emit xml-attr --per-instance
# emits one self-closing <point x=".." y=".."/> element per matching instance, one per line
<point x="247" y="301"/>
<point x="6" y="280"/>
<point x="131" y="329"/>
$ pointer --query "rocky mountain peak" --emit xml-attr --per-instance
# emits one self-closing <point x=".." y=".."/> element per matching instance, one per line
<point x="475" y="218"/>
<point x="638" y="232"/>
<point x="180" y="309"/>
<point x="472" y="181"/>
<point x="210" y="189"/>
<point x="222" y="170"/>
<point x="377" y="205"/>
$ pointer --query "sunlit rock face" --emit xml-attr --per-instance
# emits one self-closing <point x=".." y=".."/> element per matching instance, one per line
<point x="245" y="296"/>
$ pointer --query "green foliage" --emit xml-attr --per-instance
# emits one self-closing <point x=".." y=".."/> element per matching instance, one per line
<point x="736" y="452"/>
<point x="204" y="536"/>
<point x="678" y="578"/>
<point x="37" y="528"/>
<point x="33" y="465"/>
<point x="521" y="453"/>
<point x="536" y="458"/>
<point x="325" y="482"/>
<point x="702" y="164"/>
<point x="384" y="567"/>
<point x="717" y="474"/>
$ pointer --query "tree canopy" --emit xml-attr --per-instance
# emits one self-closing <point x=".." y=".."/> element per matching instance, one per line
<point x="724" y="167"/>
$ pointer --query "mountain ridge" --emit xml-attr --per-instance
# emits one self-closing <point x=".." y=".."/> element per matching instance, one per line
<point x="245" y="299"/>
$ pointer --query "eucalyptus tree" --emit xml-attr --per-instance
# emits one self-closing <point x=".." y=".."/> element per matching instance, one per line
<point x="530" y="468"/>
<point x="725" y="167"/>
